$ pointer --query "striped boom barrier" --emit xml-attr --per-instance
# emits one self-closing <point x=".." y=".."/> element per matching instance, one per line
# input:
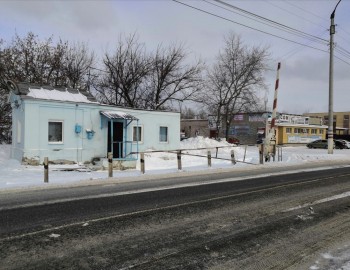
<point x="270" y="140"/>
<point x="274" y="112"/>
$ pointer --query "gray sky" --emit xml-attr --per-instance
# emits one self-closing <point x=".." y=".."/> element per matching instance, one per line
<point x="304" y="72"/>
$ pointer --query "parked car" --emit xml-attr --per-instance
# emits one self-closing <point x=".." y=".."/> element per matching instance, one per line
<point x="340" y="144"/>
<point x="233" y="140"/>
<point x="324" y="144"/>
<point x="346" y="143"/>
<point x="318" y="144"/>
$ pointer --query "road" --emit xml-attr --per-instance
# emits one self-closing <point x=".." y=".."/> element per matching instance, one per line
<point x="270" y="222"/>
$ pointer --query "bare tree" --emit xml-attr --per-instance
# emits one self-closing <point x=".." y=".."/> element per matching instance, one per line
<point x="234" y="80"/>
<point x="134" y="78"/>
<point x="171" y="79"/>
<point x="32" y="60"/>
<point x="78" y="60"/>
<point x="125" y="72"/>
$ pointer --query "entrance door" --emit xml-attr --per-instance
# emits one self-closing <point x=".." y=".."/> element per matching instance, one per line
<point x="115" y="140"/>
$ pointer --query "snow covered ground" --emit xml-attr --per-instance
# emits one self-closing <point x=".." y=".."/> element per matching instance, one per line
<point x="14" y="175"/>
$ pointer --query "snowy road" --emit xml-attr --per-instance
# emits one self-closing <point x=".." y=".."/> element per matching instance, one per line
<point x="250" y="224"/>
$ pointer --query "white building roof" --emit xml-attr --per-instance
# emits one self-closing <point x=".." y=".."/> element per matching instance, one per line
<point x="59" y="95"/>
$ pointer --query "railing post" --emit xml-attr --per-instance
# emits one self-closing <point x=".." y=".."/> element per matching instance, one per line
<point x="217" y="150"/>
<point x="142" y="161"/>
<point x="279" y="152"/>
<point x="46" y="170"/>
<point x="179" y="165"/>
<point x="245" y="152"/>
<point x="209" y="158"/>
<point x="110" y="164"/>
<point x="261" y="153"/>
<point x="233" y="160"/>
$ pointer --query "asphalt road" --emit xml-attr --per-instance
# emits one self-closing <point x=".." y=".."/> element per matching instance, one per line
<point x="210" y="221"/>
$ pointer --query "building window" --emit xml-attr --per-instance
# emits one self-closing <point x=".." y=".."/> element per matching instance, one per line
<point x="163" y="134"/>
<point x="296" y="130"/>
<point x="313" y="131"/>
<point x="55" y="132"/>
<point x="321" y="131"/>
<point x="288" y="130"/>
<point x="137" y="134"/>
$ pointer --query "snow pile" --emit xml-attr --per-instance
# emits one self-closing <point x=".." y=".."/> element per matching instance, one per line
<point x="201" y="142"/>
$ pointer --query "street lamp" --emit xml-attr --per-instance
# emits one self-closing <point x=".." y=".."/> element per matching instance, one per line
<point x="330" y="107"/>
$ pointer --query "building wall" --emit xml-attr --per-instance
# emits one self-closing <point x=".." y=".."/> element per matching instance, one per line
<point x="294" y="134"/>
<point x="245" y="127"/>
<point x="341" y="120"/>
<point x="36" y="114"/>
<point x="195" y="127"/>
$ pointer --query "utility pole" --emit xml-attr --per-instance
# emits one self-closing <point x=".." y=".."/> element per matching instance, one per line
<point x="330" y="104"/>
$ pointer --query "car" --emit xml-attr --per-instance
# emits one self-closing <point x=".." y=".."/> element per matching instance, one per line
<point x="340" y="144"/>
<point x="324" y="144"/>
<point x="318" y="144"/>
<point x="233" y="140"/>
<point x="346" y="143"/>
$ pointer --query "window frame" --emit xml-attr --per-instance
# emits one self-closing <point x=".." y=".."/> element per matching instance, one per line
<point x="62" y="131"/>
<point x="167" y="134"/>
<point x="133" y="133"/>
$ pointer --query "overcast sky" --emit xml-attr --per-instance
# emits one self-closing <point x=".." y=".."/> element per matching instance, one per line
<point x="304" y="73"/>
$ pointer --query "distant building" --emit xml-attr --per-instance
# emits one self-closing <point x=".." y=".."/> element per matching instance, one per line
<point x="250" y="128"/>
<point x="195" y="127"/>
<point x="70" y="125"/>
<point x="341" y="121"/>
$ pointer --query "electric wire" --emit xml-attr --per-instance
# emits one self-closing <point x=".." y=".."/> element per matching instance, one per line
<point x="285" y="27"/>
<point x="292" y="13"/>
<point x="249" y="27"/>
<point x="339" y="48"/>
<point x="307" y="11"/>
<point x="270" y="23"/>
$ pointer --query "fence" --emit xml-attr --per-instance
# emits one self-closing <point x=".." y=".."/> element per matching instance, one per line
<point x="183" y="152"/>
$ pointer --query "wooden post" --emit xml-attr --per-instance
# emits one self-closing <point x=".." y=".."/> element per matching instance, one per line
<point x="142" y="161"/>
<point x="233" y="160"/>
<point x="179" y="165"/>
<point x="217" y="150"/>
<point x="110" y="164"/>
<point x="261" y="153"/>
<point x="245" y="152"/>
<point x="46" y="170"/>
<point x="209" y="158"/>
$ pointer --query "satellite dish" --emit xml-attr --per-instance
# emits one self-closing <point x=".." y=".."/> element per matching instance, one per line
<point x="12" y="86"/>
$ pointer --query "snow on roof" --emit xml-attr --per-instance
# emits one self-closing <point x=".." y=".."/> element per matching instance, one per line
<point x="57" y="95"/>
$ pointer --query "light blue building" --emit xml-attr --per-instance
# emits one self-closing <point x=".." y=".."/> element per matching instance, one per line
<point x="70" y="125"/>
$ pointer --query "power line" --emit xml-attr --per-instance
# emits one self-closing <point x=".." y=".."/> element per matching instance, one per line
<point x="342" y="60"/>
<point x="301" y="17"/>
<point x="280" y="25"/>
<point x="249" y="27"/>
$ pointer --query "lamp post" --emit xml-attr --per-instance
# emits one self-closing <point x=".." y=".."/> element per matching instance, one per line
<point x="330" y="106"/>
